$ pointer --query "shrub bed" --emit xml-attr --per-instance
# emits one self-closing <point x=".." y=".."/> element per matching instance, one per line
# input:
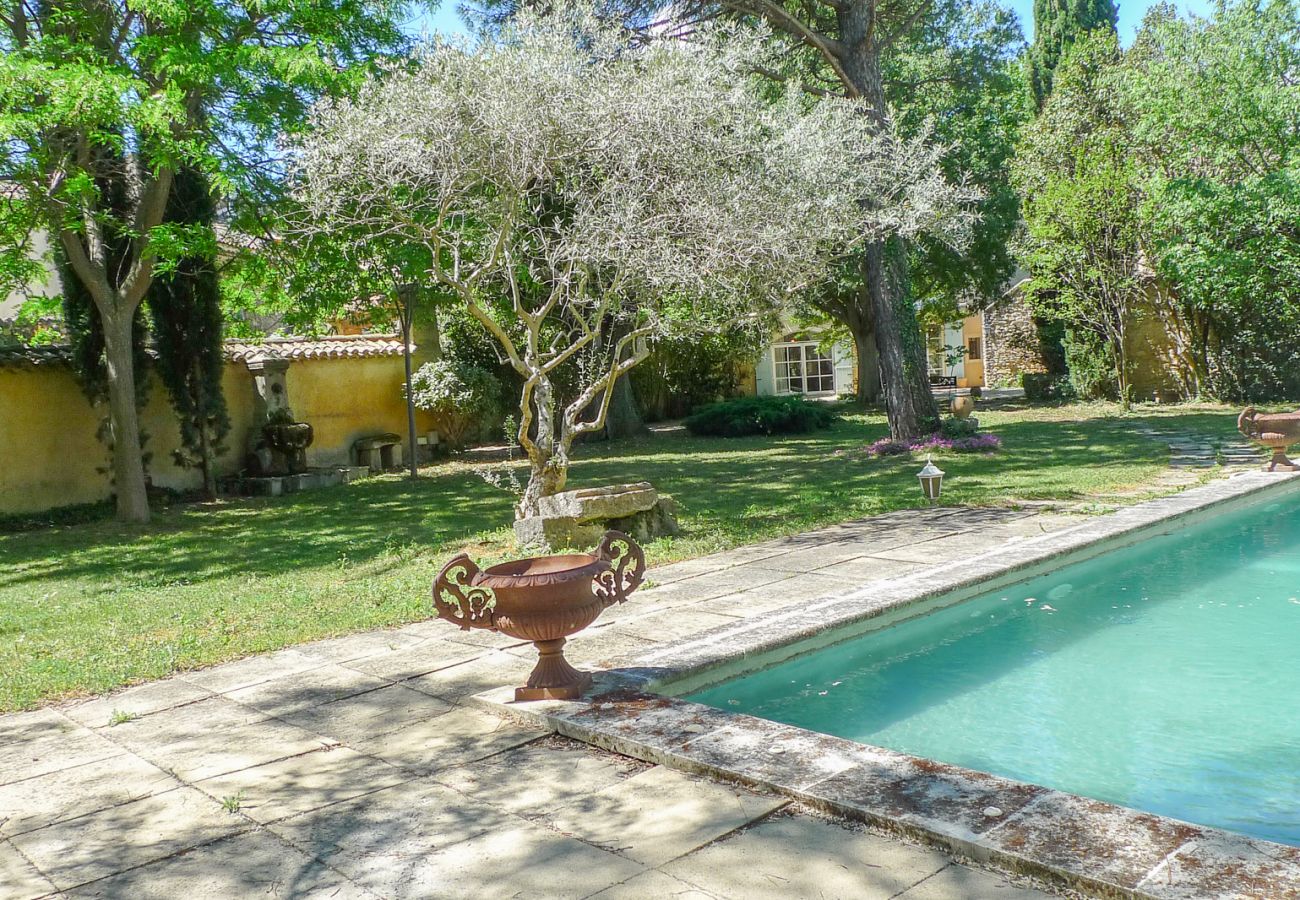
<point x="759" y="415"/>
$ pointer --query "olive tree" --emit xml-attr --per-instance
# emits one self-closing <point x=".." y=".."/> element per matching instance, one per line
<point x="580" y="191"/>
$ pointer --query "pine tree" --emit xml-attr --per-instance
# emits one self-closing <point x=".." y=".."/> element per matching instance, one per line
<point x="1057" y="25"/>
<point x="185" y="305"/>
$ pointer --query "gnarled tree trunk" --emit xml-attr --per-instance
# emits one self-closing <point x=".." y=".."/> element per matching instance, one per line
<point x="905" y="383"/>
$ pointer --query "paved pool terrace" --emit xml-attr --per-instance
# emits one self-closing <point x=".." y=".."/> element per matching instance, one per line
<point x="1070" y="841"/>
<point x="392" y="763"/>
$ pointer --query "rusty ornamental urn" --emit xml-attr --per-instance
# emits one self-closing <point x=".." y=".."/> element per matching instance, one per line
<point x="1276" y="431"/>
<point x="544" y="599"/>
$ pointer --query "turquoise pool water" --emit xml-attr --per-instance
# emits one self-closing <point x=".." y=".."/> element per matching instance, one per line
<point x="1163" y="676"/>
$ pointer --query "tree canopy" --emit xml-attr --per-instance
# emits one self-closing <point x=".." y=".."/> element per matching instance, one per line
<point x="102" y="101"/>
<point x="579" y="189"/>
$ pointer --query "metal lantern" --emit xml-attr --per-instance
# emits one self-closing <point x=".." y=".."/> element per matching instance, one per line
<point x="931" y="478"/>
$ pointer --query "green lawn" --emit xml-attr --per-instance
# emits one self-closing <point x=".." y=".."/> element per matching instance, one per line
<point x="86" y="608"/>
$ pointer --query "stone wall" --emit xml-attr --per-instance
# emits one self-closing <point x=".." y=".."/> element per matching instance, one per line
<point x="1011" y="342"/>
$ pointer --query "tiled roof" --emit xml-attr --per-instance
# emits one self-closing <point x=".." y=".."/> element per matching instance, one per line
<point x="344" y="346"/>
<point x="348" y="346"/>
<point x="46" y="355"/>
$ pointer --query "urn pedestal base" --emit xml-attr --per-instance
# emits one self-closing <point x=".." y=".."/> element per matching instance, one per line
<point x="553" y="678"/>
<point x="1280" y="462"/>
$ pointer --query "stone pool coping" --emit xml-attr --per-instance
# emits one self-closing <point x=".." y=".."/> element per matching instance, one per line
<point x="1099" y="847"/>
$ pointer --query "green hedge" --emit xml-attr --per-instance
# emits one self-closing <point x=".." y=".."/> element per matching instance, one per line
<point x="759" y="415"/>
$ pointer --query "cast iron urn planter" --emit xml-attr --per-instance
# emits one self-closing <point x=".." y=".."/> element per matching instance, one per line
<point x="1276" y="431"/>
<point x="544" y="599"/>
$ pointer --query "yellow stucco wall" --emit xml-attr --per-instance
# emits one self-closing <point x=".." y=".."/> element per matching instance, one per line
<point x="347" y="399"/>
<point x="50" y="456"/>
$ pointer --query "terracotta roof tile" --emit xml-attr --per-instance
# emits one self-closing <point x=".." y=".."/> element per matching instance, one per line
<point x="350" y="346"/>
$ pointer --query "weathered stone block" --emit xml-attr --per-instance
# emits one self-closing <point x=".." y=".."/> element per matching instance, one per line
<point x="559" y="531"/>
<point x="579" y="518"/>
<point x="600" y="504"/>
<point x="657" y="521"/>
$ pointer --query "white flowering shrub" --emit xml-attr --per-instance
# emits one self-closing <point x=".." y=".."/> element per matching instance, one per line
<point x="458" y="394"/>
<point x="579" y="191"/>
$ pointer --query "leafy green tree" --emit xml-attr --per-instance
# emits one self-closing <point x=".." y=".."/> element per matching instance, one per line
<point x="1083" y="246"/>
<point x="957" y="73"/>
<point x="1083" y="190"/>
<point x="101" y="96"/>
<point x="1058" y="25"/>
<point x="1215" y="107"/>
<point x="579" y="190"/>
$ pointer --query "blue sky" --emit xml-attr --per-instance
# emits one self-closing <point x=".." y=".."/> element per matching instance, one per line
<point x="448" y="22"/>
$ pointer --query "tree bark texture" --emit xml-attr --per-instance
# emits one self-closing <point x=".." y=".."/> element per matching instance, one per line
<point x="124" y="422"/>
<point x="909" y="402"/>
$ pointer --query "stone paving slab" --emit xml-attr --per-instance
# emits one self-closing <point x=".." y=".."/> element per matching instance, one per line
<point x="654" y="883"/>
<point x="779" y="595"/>
<point x="526" y="861"/>
<point x="968" y="884"/>
<point x="432" y="841"/>
<point x="807" y="857"/>
<point x="56" y="744"/>
<point x="77" y="851"/>
<point x="253" y="670"/>
<point x="415" y="660"/>
<point x="254" y="864"/>
<point x="661" y="814"/>
<point x="672" y="624"/>
<point x="369" y="715"/>
<point x="356" y="647"/>
<point x="19" y="879"/>
<point x="137" y="701"/>
<point x="36" y="802"/>
<point x="213" y="737"/>
<point x="302" y="783"/>
<point x="536" y="778"/>
<point x="300" y="691"/>
<point x="451" y="739"/>
<point x="481" y="673"/>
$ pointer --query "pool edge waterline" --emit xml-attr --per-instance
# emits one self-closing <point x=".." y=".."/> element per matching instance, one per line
<point x="1024" y="827"/>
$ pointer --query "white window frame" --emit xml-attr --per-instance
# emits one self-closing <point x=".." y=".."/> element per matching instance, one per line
<point x="825" y="360"/>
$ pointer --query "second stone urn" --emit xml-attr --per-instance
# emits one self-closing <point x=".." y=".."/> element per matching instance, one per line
<point x="1276" y="431"/>
<point x="545" y="599"/>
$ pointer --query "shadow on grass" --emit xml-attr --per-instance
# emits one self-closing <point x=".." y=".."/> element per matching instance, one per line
<point x="348" y="523"/>
<point x="734" y="487"/>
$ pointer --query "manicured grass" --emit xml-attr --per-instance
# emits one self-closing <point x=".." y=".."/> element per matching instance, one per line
<point x="86" y="608"/>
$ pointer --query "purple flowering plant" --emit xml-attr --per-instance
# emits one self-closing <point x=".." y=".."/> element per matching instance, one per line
<point x="978" y="443"/>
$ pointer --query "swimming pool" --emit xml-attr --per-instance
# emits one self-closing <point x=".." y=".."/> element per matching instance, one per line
<point x="1161" y="676"/>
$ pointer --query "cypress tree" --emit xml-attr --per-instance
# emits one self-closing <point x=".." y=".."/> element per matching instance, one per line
<point x="185" y="306"/>
<point x="1057" y="25"/>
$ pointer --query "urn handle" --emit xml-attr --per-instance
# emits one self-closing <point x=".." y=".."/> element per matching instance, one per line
<point x="458" y="599"/>
<point x="1246" y="423"/>
<point x="627" y="568"/>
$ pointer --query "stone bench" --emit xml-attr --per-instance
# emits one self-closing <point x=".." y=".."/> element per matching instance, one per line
<point x="378" y="452"/>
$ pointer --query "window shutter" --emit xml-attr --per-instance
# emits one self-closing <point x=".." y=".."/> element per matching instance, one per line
<point x="764" y="374"/>
<point x="842" y="353"/>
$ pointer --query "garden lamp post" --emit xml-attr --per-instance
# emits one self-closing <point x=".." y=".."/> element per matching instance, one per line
<point x="931" y="478"/>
